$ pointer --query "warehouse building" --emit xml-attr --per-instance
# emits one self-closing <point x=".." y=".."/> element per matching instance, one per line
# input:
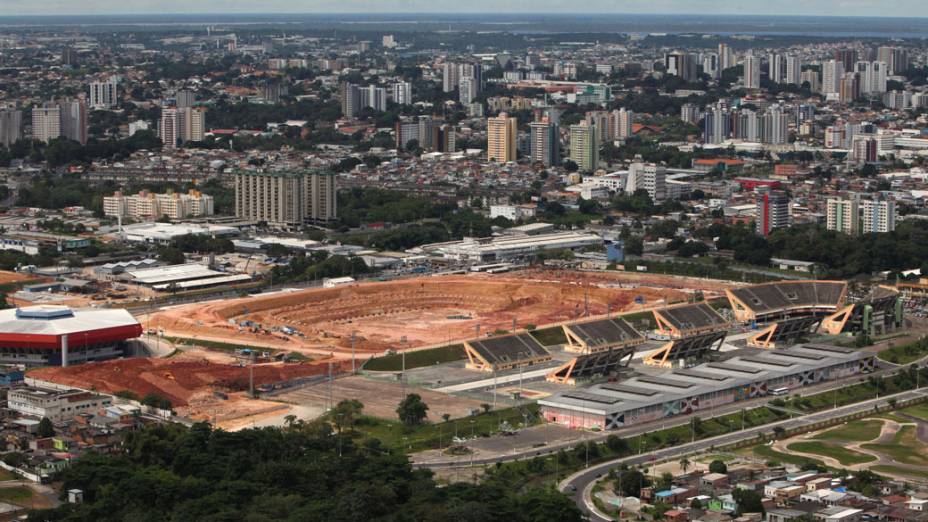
<point x="57" y="335"/>
<point x="747" y="374"/>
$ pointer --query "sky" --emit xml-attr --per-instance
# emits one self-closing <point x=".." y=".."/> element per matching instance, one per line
<point x="902" y="8"/>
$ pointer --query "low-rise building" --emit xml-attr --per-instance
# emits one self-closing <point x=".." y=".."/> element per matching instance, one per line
<point x="56" y="405"/>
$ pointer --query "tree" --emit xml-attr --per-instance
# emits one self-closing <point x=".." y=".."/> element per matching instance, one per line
<point x="46" y="428"/>
<point x="171" y="255"/>
<point x="346" y="413"/>
<point x="717" y="466"/>
<point x="748" y="500"/>
<point x="684" y="464"/>
<point x="412" y="411"/>
<point x="630" y="483"/>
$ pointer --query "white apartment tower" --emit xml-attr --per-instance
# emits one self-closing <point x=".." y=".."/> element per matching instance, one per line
<point x="751" y="72"/>
<point x="843" y="215"/>
<point x="103" y="95"/>
<point x="879" y="215"/>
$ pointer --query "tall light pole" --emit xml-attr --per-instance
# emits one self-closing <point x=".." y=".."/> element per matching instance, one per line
<point x="353" y="369"/>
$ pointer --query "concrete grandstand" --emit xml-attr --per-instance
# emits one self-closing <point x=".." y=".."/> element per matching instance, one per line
<point x="772" y="301"/>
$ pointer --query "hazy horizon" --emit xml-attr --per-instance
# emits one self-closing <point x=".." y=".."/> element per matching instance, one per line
<point x="835" y="8"/>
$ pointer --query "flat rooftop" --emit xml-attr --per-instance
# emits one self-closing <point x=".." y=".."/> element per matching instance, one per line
<point x="651" y="387"/>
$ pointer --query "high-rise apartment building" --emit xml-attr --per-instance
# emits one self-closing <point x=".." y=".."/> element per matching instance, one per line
<point x="726" y="57"/>
<point x="620" y="124"/>
<point x="402" y="93"/>
<point x="793" y="74"/>
<point x="46" y="122"/>
<point x="350" y="97"/>
<point x="584" y="146"/>
<point x="716" y="125"/>
<point x="285" y="199"/>
<point x="103" y="95"/>
<point x="772" y="211"/>
<point x="689" y="112"/>
<point x="545" y="142"/>
<point x="849" y="90"/>
<point x="449" y="76"/>
<point x="184" y="98"/>
<point x="776" y="68"/>
<point x="843" y="215"/>
<point x="751" y="72"/>
<point x="11" y="125"/>
<point x="878" y="216"/>
<point x="847" y="58"/>
<point x="170" y="128"/>
<point x="832" y="73"/>
<point x="681" y="64"/>
<point x="873" y="77"/>
<point x="501" y="138"/>
<point x="897" y="59"/>
<point x="180" y="125"/>
<point x="74" y="120"/>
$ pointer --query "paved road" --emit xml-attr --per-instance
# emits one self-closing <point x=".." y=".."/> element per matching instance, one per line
<point x="579" y="485"/>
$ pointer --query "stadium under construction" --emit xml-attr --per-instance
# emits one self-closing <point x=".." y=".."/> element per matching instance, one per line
<point x="610" y="374"/>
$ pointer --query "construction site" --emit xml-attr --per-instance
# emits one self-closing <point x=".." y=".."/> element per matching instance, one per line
<point x="375" y="317"/>
<point x="199" y="388"/>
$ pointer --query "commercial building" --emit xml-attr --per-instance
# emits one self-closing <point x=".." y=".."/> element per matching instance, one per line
<point x="166" y="233"/>
<point x="501" y="138"/>
<point x="584" y="146"/>
<point x="58" y="335"/>
<point x="150" y="206"/>
<point x="649" y="177"/>
<point x="55" y="405"/>
<point x="843" y="215"/>
<point x="286" y="199"/>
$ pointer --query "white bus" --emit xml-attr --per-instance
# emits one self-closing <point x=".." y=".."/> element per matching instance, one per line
<point x="780" y="391"/>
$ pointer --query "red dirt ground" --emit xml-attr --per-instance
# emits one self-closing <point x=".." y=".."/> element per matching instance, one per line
<point x="411" y="312"/>
<point x="177" y="380"/>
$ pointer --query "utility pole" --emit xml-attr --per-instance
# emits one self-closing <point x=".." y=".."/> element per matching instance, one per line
<point x="251" y="376"/>
<point x="353" y="370"/>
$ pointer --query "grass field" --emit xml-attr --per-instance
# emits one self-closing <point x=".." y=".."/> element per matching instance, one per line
<point x="416" y="359"/>
<point x="771" y="455"/>
<point x="707" y="459"/>
<point x="857" y="431"/>
<point x="7" y="475"/>
<point x="896" y="470"/>
<point x="919" y="410"/>
<point x="394" y="434"/>
<point x="19" y="495"/>
<point x="219" y="346"/>
<point x="904" y="448"/>
<point x="906" y="353"/>
<point x="843" y="455"/>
